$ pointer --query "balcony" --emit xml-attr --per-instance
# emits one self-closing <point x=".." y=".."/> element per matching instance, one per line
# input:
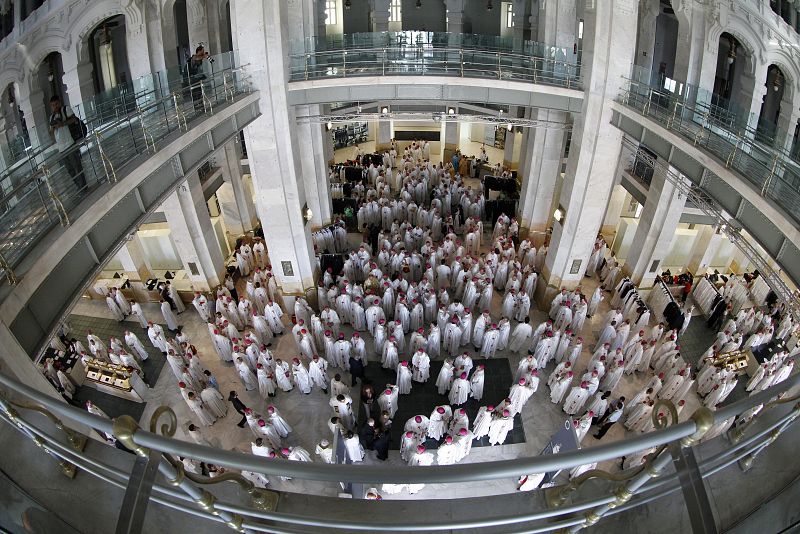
<point x="415" y="53"/>
<point x="39" y="193"/>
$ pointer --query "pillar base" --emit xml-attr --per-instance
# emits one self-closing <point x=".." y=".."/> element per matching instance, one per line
<point x="536" y="234"/>
<point x="383" y="147"/>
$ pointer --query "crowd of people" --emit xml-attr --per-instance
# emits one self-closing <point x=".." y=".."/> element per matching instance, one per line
<point x="426" y="284"/>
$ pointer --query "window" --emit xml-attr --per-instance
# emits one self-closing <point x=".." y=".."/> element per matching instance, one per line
<point x="395" y="11"/>
<point x="330" y="12"/>
<point x="509" y="14"/>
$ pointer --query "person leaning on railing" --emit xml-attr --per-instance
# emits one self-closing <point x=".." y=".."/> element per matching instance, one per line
<point x="196" y="76"/>
<point x="62" y="122"/>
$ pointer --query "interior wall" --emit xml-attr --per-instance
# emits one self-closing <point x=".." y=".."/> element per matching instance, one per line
<point x="338" y="28"/>
<point x="356" y="19"/>
<point x="431" y="17"/>
<point x="160" y="250"/>
<point x="666" y="44"/>
<point x="680" y="251"/>
<point x="624" y="236"/>
<point x="480" y="21"/>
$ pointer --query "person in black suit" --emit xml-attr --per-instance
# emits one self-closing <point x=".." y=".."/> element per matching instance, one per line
<point x="367" y="434"/>
<point x="381" y="444"/>
<point x="239" y="407"/>
<point x="356" y="369"/>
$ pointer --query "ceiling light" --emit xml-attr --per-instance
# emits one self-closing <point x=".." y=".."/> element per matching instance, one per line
<point x="329" y="126"/>
<point x="348" y="4"/>
<point x="419" y="4"/>
<point x="509" y="126"/>
<point x="489" y="5"/>
<point x="451" y="111"/>
<point x="385" y="110"/>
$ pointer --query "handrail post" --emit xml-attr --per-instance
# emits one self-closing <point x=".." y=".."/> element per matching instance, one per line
<point x="306" y="68"/>
<point x="59" y="206"/>
<point x="383" y="63"/>
<point x="11" y="278"/>
<point x="461" y="60"/>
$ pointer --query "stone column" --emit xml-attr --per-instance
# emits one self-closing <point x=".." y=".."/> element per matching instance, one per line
<point x="77" y="78"/>
<point x="380" y="15"/>
<point x="656" y="230"/>
<point x="449" y="139"/>
<point x="318" y="200"/>
<point x="198" y="24"/>
<point x="134" y="260"/>
<point x="519" y="23"/>
<point x="31" y="105"/>
<point x="609" y="35"/>
<point x="615" y="204"/>
<point x="136" y="42"/>
<point x="242" y="209"/>
<point x="155" y="44"/>
<point x="646" y="34"/>
<point x="508" y="148"/>
<point x="542" y="148"/>
<point x="383" y="139"/>
<point x="759" y="92"/>
<point x="320" y="140"/>
<point x="455" y="16"/>
<point x="708" y="68"/>
<point x="259" y="33"/>
<point x="704" y="249"/>
<point x="193" y="234"/>
<point x="691" y="41"/>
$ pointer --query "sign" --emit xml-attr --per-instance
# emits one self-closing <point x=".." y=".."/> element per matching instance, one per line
<point x="576" y="267"/>
<point x="287" y="268"/>
<point x="564" y="440"/>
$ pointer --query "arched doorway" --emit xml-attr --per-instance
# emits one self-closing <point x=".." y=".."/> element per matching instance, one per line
<point x="770" y="115"/>
<point x="109" y="56"/>
<point x="733" y="84"/>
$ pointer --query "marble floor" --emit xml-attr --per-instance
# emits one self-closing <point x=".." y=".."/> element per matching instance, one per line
<point x="309" y="414"/>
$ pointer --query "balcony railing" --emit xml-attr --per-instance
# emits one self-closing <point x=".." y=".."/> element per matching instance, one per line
<point x="414" y="53"/>
<point x="40" y="192"/>
<point x="255" y="511"/>
<point x="755" y="154"/>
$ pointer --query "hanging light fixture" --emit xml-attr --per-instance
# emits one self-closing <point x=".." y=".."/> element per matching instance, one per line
<point x="419" y="4"/>
<point x="509" y="127"/>
<point x="451" y="111"/>
<point x="778" y="81"/>
<point x="731" y="51"/>
<point x="348" y="4"/>
<point x="489" y="5"/>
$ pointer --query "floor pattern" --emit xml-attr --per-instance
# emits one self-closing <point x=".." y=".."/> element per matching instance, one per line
<point x="425" y="397"/>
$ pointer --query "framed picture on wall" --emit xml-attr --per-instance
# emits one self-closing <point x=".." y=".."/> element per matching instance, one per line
<point x="287" y="268"/>
<point x="576" y="267"/>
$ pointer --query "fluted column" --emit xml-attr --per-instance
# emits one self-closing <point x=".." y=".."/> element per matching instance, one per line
<point x="609" y="45"/>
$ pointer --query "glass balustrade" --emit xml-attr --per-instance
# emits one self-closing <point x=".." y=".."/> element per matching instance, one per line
<point x="416" y="53"/>
<point x="736" y="137"/>
<point x="736" y="432"/>
<point x="46" y="187"/>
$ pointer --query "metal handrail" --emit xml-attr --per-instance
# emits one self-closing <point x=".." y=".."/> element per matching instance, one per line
<point x="369" y="473"/>
<point x="668" y="485"/>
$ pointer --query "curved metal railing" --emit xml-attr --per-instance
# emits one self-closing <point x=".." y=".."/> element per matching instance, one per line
<point x="434" y="54"/>
<point x="258" y="510"/>
<point x="726" y="133"/>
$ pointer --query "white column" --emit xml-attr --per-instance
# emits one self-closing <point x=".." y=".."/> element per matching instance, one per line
<point x="240" y="207"/>
<point x="77" y="78"/>
<point x="308" y="166"/>
<point x="450" y="139"/>
<point x="383" y="139"/>
<point x="615" y="204"/>
<point x="380" y="15"/>
<point x="759" y="92"/>
<point x="198" y="24"/>
<point x="36" y="120"/>
<point x="540" y="166"/>
<point x="519" y="23"/>
<point x="691" y="41"/>
<point x="609" y="37"/>
<point x="136" y="41"/>
<point x="193" y="234"/>
<point x="134" y="260"/>
<point x="704" y="249"/>
<point x="543" y="149"/>
<point x="656" y="230"/>
<point x="320" y="140"/>
<point x="259" y="28"/>
<point x="455" y="15"/>
<point x="646" y="33"/>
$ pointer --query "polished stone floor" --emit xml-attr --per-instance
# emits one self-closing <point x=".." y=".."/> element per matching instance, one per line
<point x="309" y="414"/>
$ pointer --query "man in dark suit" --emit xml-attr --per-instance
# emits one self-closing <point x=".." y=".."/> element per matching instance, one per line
<point x="239" y="407"/>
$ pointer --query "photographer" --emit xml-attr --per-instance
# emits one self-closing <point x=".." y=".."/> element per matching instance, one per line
<point x="61" y="120"/>
<point x="197" y="75"/>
